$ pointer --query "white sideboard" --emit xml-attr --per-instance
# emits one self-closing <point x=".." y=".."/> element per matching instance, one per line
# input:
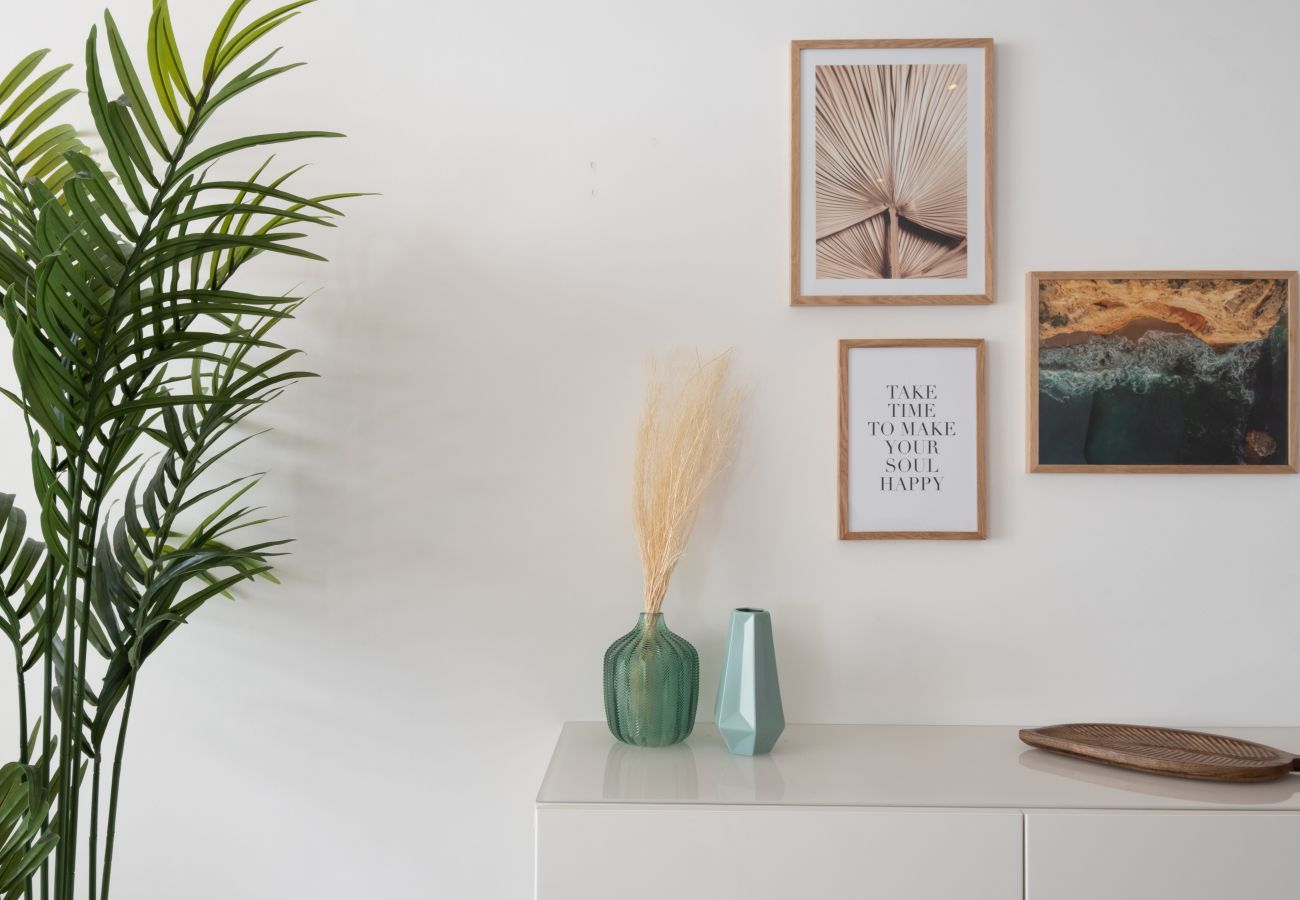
<point x="901" y="813"/>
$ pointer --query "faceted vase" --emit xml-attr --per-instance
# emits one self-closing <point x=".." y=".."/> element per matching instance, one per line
<point x="748" y="711"/>
<point x="652" y="685"/>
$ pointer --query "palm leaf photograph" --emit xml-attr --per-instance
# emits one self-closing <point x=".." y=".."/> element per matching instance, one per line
<point x="892" y="172"/>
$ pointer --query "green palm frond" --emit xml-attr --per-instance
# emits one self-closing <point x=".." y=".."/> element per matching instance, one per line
<point x="27" y="606"/>
<point x="25" y="839"/>
<point x="31" y="148"/>
<point x="22" y="587"/>
<point x="27" y="615"/>
<point x="131" y="340"/>
<point x="153" y="573"/>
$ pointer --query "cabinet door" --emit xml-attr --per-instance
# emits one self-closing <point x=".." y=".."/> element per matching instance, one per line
<point x="1146" y="855"/>
<point x="771" y="853"/>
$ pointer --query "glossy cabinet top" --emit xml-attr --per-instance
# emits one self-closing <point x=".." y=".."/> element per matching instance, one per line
<point x="919" y="766"/>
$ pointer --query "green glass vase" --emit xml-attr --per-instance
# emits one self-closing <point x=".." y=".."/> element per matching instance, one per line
<point x="652" y="685"/>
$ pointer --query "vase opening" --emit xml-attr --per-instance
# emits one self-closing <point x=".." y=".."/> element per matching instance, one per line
<point x="749" y="609"/>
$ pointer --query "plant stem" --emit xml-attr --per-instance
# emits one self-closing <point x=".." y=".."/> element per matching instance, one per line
<point x="48" y="624"/>
<point x="91" y="858"/>
<point x="111" y="830"/>
<point x="23" y="756"/>
<point x="69" y="746"/>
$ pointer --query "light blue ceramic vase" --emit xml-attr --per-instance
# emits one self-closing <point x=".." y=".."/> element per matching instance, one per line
<point x="748" y="710"/>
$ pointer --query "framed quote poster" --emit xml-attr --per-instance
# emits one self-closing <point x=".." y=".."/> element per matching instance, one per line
<point x="1162" y="372"/>
<point x="892" y="172"/>
<point x="911" y="454"/>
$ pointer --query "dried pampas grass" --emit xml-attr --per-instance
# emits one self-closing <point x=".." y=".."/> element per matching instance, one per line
<point x="683" y="442"/>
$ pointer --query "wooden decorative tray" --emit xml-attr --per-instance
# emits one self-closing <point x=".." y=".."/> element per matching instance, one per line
<point x="1165" y="751"/>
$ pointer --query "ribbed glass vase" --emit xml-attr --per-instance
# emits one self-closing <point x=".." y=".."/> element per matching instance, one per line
<point x="652" y="685"/>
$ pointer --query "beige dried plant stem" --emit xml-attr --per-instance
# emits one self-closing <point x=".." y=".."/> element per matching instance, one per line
<point x="683" y="442"/>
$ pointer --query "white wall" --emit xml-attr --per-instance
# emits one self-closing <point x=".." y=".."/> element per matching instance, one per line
<point x="566" y="186"/>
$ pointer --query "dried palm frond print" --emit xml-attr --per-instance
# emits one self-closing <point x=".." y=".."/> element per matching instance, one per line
<point x="891" y="171"/>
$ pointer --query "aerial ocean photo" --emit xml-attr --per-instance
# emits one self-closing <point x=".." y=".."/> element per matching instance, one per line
<point x="1163" y="371"/>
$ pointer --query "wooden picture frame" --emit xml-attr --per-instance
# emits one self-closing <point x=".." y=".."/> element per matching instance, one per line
<point x="956" y="416"/>
<point x="1204" y="386"/>
<point x="882" y="217"/>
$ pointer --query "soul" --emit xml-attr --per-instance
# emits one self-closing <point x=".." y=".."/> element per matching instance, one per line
<point x="911" y="464"/>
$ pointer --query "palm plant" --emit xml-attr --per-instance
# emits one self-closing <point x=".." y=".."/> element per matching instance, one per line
<point x="137" y="362"/>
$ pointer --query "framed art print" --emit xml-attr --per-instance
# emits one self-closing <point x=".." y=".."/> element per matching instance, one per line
<point x="1162" y="372"/>
<point x="892" y="172"/>
<point x="911" y="450"/>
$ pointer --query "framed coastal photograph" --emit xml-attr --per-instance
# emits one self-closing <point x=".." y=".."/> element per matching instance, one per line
<point x="1162" y="372"/>
<point x="892" y="172"/>
<point x="911" y="451"/>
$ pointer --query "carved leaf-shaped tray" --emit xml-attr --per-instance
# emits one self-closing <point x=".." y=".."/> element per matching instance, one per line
<point x="1165" y="751"/>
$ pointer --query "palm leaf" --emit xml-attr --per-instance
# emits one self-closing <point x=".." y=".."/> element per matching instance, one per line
<point x="25" y="840"/>
<point x="166" y="67"/>
<point x="253" y="32"/>
<point x="32" y="94"/>
<point x="132" y="89"/>
<point x="129" y="339"/>
<point x="31" y="149"/>
<point x="20" y="73"/>
<point x="22" y="584"/>
<point x="891" y="171"/>
<point x="146" y="564"/>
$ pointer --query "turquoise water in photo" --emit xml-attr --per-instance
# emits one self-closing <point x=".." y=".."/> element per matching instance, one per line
<point x="1163" y="399"/>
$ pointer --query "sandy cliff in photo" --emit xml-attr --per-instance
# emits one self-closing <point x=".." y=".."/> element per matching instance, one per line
<point x="1221" y="312"/>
